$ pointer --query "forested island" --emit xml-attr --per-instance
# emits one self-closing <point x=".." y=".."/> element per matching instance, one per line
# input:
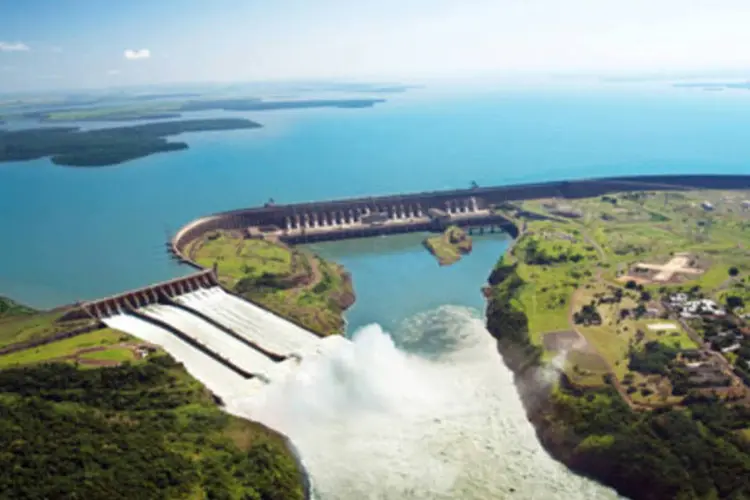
<point x="640" y="299"/>
<point x="170" y="109"/>
<point x="71" y="146"/>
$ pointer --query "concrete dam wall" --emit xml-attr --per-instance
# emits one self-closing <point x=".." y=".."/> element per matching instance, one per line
<point x="377" y="215"/>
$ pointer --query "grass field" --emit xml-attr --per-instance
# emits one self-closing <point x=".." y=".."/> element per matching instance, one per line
<point x="237" y="258"/>
<point x="118" y="354"/>
<point x="66" y="347"/>
<point x="25" y="327"/>
<point x="545" y="297"/>
<point x="289" y="281"/>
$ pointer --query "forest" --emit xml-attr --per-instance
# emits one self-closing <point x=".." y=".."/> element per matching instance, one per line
<point x="70" y="146"/>
<point x="133" y="431"/>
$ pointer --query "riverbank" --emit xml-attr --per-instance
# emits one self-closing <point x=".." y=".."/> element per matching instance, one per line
<point x="636" y="428"/>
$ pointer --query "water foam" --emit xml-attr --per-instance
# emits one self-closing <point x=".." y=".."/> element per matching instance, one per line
<point x="427" y="413"/>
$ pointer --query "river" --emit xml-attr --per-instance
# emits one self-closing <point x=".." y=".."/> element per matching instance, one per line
<point x="420" y="404"/>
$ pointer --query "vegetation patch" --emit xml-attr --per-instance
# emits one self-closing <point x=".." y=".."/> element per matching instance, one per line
<point x="22" y="327"/>
<point x="289" y="281"/>
<point x="10" y="308"/>
<point x="66" y="348"/>
<point x="134" y="431"/>
<point x="643" y="404"/>
<point x="70" y="146"/>
<point x="449" y="246"/>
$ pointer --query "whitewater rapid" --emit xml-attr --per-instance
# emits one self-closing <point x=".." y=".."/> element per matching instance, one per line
<point x="428" y="412"/>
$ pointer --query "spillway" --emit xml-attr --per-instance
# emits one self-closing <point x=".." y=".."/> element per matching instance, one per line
<point x="210" y="372"/>
<point x="271" y="332"/>
<point x="214" y="339"/>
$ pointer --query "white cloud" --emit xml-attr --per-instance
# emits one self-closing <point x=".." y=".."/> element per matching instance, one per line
<point x="137" y="54"/>
<point x="113" y="72"/>
<point x="13" y="47"/>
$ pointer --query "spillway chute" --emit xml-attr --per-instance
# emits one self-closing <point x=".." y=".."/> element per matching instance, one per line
<point x="254" y="323"/>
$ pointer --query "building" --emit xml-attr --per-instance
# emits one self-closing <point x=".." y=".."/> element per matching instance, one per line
<point x="695" y="308"/>
<point x="678" y="298"/>
<point x="707" y="206"/>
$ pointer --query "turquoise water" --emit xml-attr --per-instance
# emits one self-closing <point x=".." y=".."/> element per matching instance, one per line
<point x="395" y="278"/>
<point x="72" y="234"/>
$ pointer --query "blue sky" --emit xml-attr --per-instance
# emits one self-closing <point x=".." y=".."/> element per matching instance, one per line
<point x="83" y="43"/>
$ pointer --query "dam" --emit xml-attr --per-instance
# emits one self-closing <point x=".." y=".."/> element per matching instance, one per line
<point x="472" y="208"/>
<point x="221" y="338"/>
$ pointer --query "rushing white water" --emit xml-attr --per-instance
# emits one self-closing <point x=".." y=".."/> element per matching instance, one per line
<point x="430" y="413"/>
<point x="275" y="334"/>
<point x="214" y="339"/>
<point x="204" y="368"/>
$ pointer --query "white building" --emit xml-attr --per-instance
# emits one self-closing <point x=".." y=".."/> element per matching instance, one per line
<point x="695" y="308"/>
<point x="678" y="298"/>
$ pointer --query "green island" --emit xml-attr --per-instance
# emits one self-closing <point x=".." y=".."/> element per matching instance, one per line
<point x="99" y="414"/>
<point x="134" y="109"/>
<point x="449" y="246"/>
<point x="70" y="146"/>
<point x="638" y="301"/>
<point x="291" y="282"/>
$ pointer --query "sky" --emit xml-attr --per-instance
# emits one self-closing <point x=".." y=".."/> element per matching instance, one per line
<point x="47" y="44"/>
